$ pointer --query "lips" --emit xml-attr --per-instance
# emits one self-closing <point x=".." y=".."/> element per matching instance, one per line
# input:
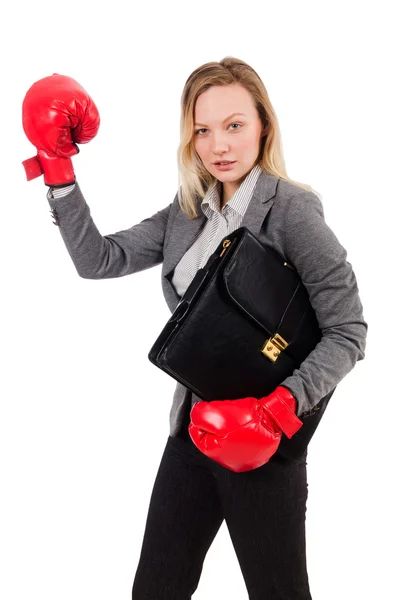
<point x="222" y="162"/>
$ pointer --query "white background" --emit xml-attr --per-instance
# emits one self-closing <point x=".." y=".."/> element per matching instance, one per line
<point x="80" y="435"/>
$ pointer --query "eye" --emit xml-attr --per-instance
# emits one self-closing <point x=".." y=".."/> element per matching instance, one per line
<point x="204" y="129"/>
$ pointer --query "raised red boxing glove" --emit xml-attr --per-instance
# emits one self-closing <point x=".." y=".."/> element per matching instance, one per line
<point x="243" y="434"/>
<point x="57" y="113"/>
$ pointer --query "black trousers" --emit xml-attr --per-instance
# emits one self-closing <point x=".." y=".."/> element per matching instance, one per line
<point x="264" y="510"/>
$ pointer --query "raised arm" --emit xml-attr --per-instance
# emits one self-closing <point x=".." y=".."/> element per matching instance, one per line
<point x="58" y="113"/>
<point x="102" y="257"/>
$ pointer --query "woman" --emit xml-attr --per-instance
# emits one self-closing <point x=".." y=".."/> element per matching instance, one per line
<point x="226" y="116"/>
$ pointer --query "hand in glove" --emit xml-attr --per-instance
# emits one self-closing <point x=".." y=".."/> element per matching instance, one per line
<point x="57" y="113"/>
<point x="243" y="434"/>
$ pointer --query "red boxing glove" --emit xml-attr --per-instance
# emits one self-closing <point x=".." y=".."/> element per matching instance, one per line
<point x="243" y="434"/>
<point x="57" y="112"/>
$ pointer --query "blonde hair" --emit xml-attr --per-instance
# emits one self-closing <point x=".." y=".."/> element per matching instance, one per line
<point x="193" y="178"/>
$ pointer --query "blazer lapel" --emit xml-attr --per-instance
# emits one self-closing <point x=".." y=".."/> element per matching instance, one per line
<point x="260" y="203"/>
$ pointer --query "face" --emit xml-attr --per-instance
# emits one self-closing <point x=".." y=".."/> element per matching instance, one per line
<point x="218" y="137"/>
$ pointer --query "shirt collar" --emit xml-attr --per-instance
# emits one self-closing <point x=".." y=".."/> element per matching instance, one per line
<point x="238" y="202"/>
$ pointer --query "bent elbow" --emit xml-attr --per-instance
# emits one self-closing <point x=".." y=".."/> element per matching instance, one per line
<point x="87" y="275"/>
<point x="352" y="336"/>
<point x="362" y="340"/>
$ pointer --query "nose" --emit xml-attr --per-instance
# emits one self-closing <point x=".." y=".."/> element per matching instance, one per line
<point x="219" y="145"/>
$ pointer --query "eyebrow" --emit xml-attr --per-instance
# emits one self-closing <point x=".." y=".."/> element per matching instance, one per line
<point x="227" y="118"/>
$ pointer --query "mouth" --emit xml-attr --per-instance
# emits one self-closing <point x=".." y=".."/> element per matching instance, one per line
<point x="224" y="162"/>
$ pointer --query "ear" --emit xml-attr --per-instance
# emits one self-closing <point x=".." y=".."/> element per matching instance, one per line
<point x="265" y="130"/>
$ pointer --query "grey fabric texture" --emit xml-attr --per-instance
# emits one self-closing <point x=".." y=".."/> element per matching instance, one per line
<point x="280" y="214"/>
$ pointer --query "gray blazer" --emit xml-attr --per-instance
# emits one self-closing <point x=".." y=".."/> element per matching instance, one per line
<point x="283" y="215"/>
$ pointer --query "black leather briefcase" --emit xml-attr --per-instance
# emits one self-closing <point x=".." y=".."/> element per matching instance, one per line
<point x="243" y="325"/>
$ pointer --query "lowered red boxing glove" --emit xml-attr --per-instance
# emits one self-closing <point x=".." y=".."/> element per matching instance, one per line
<point x="243" y="434"/>
<point x="57" y="112"/>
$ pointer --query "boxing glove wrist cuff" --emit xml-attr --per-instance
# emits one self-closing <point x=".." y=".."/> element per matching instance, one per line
<point x="57" y="171"/>
<point x="32" y="168"/>
<point x="281" y="405"/>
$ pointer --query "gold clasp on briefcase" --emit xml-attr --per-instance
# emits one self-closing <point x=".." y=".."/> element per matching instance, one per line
<point x="274" y="346"/>
<point x="225" y="245"/>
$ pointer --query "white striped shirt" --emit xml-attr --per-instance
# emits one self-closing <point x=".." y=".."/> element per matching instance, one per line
<point x="219" y="224"/>
<point x="60" y="192"/>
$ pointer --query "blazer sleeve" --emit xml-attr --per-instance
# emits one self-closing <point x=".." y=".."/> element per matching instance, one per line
<point x="115" y="255"/>
<point x="320" y="260"/>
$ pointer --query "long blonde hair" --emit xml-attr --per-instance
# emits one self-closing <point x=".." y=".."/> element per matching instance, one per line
<point x="193" y="178"/>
